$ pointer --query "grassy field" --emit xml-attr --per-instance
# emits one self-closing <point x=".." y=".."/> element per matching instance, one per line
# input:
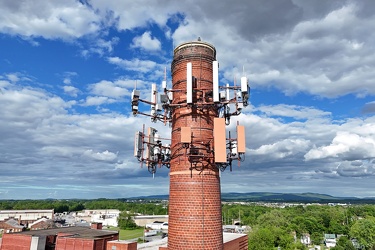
<point x="129" y="234"/>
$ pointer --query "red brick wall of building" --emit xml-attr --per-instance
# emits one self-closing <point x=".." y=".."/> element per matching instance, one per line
<point x="43" y="225"/>
<point x="122" y="245"/>
<point x="16" y="242"/>
<point x="237" y="244"/>
<point x="76" y="243"/>
<point x="100" y="244"/>
<point x="7" y="227"/>
<point x="97" y="225"/>
<point x="65" y="243"/>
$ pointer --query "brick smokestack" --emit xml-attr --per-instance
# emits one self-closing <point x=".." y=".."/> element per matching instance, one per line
<point x="97" y="225"/>
<point x="194" y="195"/>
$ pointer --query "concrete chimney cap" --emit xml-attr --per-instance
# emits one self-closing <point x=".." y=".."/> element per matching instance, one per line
<point x="196" y="43"/>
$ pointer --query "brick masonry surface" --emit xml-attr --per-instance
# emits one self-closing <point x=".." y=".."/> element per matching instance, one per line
<point x="194" y="195"/>
<point x="16" y="242"/>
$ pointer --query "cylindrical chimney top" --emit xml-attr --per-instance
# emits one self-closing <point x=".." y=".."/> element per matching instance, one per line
<point x="192" y="44"/>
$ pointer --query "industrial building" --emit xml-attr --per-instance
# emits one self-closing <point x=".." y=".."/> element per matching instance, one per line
<point x="142" y="220"/>
<point x="26" y="217"/>
<point x="64" y="238"/>
<point x="108" y="217"/>
<point x="11" y="225"/>
<point x="19" y="220"/>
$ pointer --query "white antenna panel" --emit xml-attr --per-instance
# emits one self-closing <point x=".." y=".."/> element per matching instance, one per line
<point x="167" y="149"/>
<point x="222" y="96"/>
<point x="215" y="80"/>
<point x="170" y="96"/>
<point x="151" y="135"/>
<point x="244" y="84"/>
<point x="153" y="93"/>
<point x="138" y="144"/>
<point x="189" y="83"/>
<point x="227" y="92"/>
<point x="156" y="137"/>
<point x="164" y="84"/>
<point x="151" y="140"/>
<point x="234" y="148"/>
<point x="135" y="95"/>
<point x="159" y="107"/>
<point x="153" y="98"/>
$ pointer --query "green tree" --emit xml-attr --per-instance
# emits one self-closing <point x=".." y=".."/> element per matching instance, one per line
<point x="272" y="237"/>
<point x="339" y="220"/>
<point x="283" y="239"/>
<point x="344" y="244"/>
<point x="299" y="246"/>
<point x="364" y="231"/>
<point x="317" y="238"/>
<point x="125" y="221"/>
<point x="275" y="218"/>
<point x="261" y="239"/>
<point x="77" y="206"/>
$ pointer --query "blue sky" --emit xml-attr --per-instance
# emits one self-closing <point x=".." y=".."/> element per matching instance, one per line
<point x="67" y="69"/>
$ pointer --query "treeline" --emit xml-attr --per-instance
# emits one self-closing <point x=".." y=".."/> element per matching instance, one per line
<point x="283" y="227"/>
<point x="271" y="227"/>
<point x="60" y="206"/>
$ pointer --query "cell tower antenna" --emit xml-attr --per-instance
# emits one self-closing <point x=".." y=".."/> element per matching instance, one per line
<point x="199" y="149"/>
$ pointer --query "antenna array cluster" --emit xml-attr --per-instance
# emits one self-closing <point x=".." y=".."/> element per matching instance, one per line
<point x="226" y="100"/>
<point x="149" y="149"/>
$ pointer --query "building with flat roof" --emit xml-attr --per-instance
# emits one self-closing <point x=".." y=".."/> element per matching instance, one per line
<point x="26" y="216"/>
<point x="64" y="238"/>
<point x="142" y="220"/>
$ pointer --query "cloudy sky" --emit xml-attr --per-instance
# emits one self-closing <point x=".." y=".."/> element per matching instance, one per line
<point x="67" y="69"/>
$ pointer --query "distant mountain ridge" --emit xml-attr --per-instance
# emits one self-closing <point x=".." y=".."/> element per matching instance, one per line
<point x="269" y="196"/>
<point x="278" y="197"/>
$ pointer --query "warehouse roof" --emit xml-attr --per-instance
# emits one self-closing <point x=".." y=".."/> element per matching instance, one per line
<point x="78" y="232"/>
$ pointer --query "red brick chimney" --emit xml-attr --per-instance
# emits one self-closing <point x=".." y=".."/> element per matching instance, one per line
<point x="194" y="195"/>
<point x="97" y="225"/>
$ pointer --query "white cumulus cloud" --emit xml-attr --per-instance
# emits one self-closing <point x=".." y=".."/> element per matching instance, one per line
<point x="52" y="19"/>
<point x="345" y="145"/>
<point x="102" y="156"/>
<point x="146" y="42"/>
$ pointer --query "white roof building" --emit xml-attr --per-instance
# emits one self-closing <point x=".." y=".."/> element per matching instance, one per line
<point x="26" y="215"/>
